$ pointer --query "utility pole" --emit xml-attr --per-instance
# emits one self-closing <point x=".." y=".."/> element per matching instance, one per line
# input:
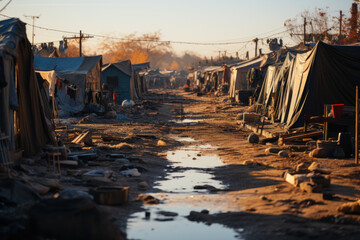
<point x="340" y="28"/>
<point x="256" y="45"/>
<point x="304" y="30"/>
<point x="80" y="37"/>
<point x="33" y="24"/>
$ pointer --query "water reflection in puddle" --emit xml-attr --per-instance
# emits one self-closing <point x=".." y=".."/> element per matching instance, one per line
<point x="185" y="121"/>
<point x="189" y="167"/>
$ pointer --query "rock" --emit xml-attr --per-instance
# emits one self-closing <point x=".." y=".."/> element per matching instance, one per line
<point x="323" y="181"/>
<point x="205" y="211"/>
<point x="302" y="168"/>
<point x="319" y="153"/>
<point x="316" y="167"/>
<point x="253" y="138"/>
<point x="72" y="194"/>
<point x="339" y="153"/>
<point x="263" y="198"/>
<point x="250" y="209"/>
<point x="205" y="187"/>
<point x="272" y="150"/>
<point x="283" y="153"/>
<point x="99" y="173"/>
<point x="198" y="216"/>
<point x="161" y="143"/>
<point x="164" y="219"/>
<point x="14" y="191"/>
<point x="251" y="162"/>
<point x="122" y="161"/>
<point x="144" y="186"/>
<point x="148" y="199"/>
<point x="350" y="208"/>
<point x="310" y="188"/>
<point x="168" y="214"/>
<point x="131" y="172"/>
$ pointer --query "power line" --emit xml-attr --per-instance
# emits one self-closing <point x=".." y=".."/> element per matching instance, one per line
<point x="152" y="40"/>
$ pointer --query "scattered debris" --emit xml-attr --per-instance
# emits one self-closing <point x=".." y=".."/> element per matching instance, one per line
<point x="131" y="172"/>
<point x="316" y="167"/>
<point x="284" y="153"/>
<point x="144" y="186"/>
<point x="168" y="214"/>
<point x="110" y="195"/>
<point x="253" y="138"/>
<point x="147" y="199"/>
<point x="350" y="208"/>
<point x="161" y="143"/>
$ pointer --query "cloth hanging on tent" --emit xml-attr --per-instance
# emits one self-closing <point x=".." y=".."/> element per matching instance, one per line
<point x="59" y="84"/>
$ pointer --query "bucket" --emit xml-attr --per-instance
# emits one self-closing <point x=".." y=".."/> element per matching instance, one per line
<point x="337" y="110"/>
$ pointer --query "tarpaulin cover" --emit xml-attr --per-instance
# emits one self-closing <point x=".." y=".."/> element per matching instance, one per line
<point x="327" y="74"/>
<point x="35" y="128"/>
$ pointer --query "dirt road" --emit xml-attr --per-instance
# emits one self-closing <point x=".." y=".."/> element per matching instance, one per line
<point x="197" y="177"/>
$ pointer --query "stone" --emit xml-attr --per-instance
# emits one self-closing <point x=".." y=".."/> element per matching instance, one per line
<point x="302" y="168"/>
<point x="284" y="153"/>
<point x="319" y="153"/>
<point x="253" y="138"/>
<point x="161" y="143"/>
<point x="350" y="208"/>
<point x="316" y="167"/>
<point x="323" y="181"/>
<point x="168" y="214"/>
<point x="144" y="186"/>
<point x="272" y="150"/>
<point x="310" y="188"/>
<point x="148" y="199"/>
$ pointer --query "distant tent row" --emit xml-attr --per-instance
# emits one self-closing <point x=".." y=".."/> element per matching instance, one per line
<point x="24" y="110"/>
<point x="327" y="74"/>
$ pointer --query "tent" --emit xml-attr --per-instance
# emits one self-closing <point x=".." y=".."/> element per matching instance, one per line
<point x="78" y="80"/>
<point x="274" y="78"/>
<point x="23" y="110"/>
<point x="327" y="74"/>
<point x="140" y="82"/>
<point x="238" y="75"/>
<point x="119" y="78"/>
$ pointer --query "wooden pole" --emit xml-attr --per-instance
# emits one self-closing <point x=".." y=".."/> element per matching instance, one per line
<point x="304" y="30"/>
<point x="80" y="45"/>
<point x="357" y="126"/>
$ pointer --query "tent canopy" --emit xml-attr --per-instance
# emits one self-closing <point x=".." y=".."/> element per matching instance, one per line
<point x="328" y="74"/>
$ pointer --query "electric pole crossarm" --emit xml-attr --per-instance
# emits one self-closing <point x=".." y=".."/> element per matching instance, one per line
<point x="80" y="37"/>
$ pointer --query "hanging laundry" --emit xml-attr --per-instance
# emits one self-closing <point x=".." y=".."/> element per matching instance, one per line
<point x="59" y="84"/>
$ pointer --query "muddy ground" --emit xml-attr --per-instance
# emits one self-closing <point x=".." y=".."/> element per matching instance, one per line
<point x="259" y="201"/>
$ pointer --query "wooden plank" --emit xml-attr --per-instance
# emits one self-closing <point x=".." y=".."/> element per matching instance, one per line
<point x="357" y="126"/>
<point x="303" y="135"/>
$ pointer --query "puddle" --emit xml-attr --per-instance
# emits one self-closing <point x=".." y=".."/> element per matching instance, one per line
<point x="190" y="166"/>
<point x="185" y="121"/>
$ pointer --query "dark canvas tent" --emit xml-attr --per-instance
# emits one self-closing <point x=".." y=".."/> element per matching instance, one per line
<point x="327" y="74"/>
<point x="20" y="96"/>
<point x="78" y="80"/>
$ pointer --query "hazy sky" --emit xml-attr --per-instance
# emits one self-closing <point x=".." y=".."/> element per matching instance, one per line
<point x="184" y="20"/>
